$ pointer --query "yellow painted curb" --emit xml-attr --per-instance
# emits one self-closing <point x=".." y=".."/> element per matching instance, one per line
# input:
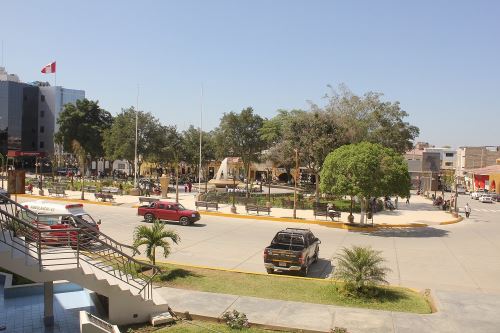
<point x="237" y="271"/>
<point x="65" y="199"/>
<point x="459" y="219"/>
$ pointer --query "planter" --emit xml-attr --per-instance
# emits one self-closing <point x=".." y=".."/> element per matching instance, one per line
<point x="233" y="209"/>
<point x="350" y="218"/>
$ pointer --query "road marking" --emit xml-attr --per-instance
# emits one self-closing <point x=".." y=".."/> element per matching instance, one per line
<point x="487" y="210"/>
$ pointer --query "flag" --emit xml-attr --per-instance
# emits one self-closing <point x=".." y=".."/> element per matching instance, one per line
<point x="50" y="68"/>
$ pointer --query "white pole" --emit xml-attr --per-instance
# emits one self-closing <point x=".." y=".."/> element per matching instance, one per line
<point x="201" y="126"/>
<point x="136" y="137"/>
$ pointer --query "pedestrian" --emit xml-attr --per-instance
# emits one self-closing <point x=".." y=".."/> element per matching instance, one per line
<point x="467" y="210"/>
<point x="190" y="185"/>
<point x="148" y="189"/>
<point x="408" y="199"/>
<point x="185" y="188"/>
<point x="396" y="201"/>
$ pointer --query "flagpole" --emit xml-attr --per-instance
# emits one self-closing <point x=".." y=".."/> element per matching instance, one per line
<point x="201" y="126"/>
<point x="136" y="135"/>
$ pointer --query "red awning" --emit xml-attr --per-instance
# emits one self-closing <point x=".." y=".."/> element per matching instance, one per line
<point x="17" y="153"/>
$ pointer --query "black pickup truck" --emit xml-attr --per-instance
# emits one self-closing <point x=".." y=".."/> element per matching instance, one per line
<point x="291" y="250"/>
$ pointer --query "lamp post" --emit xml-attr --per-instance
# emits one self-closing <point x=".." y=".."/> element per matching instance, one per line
<point x="233" y="207"/>
<point x="295" y="183"/>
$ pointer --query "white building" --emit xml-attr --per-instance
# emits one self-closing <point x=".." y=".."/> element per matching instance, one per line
<point x="51" y="104"/>
<point x="448" y="157"/>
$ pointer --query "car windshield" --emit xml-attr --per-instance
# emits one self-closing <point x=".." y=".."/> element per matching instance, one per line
<point x="87" y="218"/>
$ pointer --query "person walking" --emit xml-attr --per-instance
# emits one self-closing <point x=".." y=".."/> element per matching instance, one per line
<point x="467" y="210"/>
<point x="408" y="199"/>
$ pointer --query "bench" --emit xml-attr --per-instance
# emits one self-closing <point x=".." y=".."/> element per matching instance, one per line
<point x="258" y="209"/>
<point x="58" y="191"/>
<point x="320" y="209"/>
<point x="207" y="205"/>
<point x="147" y="199"/>
<point x="91" y="189"/>
<point x="104" y="196"/>
<point x="111" y="190"/>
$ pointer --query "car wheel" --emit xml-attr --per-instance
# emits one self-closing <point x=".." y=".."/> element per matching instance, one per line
<point x="184" y="221"/>
<point x="270" y="271"/>
<point x="305" y="270"/>
<point x="149" y="218"/>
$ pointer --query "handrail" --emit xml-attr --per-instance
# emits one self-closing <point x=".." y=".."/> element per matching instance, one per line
<point x="108" y="257"/>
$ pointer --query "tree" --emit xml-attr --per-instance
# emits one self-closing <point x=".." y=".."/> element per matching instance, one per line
<point x="191" y="146"/>
<point x="238" y="135"/>
<point x="367" y="118"/>
<point x="314" y="134"/>
<point x="361" y="268"/>
<point x="84" y="122"/>
<point x="153" y="237"/>
<point x="119" y="139"/>
<point x="365" y="170"/>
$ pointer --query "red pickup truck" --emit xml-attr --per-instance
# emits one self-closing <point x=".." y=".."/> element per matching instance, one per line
<point x="170" y="211"/>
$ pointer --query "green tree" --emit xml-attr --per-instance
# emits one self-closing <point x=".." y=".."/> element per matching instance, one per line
<point x="238" y="136"/>
<point x="84" y="122"/>
<point x="365" y="170"/>
<point x="119" y="140"/>
<point x="368" y="118"/>
<point x="153" y="237"/>
<point x="360" y="268"/>
<point x="191" y="147"/>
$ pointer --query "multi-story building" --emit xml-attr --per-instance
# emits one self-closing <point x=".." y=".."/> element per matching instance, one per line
<point x="469" y="158"/>
<point x="51" y="104"/>
<point x="448" y="156"/>
<point x="28" y="115"/>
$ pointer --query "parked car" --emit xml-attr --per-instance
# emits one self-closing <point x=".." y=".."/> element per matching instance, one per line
<point x="495" y="197"/>
<point x="170" y="211"/>
<point x="292" y="250"/>
<point x="477" y="193"/>
<point x="461" y="190"/>
<point x="486" y="198"/>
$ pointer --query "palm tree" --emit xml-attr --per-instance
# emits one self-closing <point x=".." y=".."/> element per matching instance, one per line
<point x="360" y="268"/>
<point x="153" y="237"/>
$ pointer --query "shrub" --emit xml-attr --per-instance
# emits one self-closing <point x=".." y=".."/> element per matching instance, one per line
<point x="235" y="319"/>
<point x="361" y="269"/>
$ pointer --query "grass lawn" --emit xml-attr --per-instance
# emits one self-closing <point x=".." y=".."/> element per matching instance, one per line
<point x="196" y="326"/>
<point x="286" y="288"/>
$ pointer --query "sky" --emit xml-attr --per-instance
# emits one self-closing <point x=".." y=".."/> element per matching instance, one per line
<point x="439" y="59"/>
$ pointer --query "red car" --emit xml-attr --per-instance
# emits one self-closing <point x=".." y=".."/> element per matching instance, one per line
<point x="170" y="211"/>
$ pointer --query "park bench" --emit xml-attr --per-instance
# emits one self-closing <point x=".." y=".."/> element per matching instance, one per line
<point x="58" y="191"/>
<point x="104" y="196"/>
<point x="321" y="209"/>
<point x="207" y="205"/>
<point x="111" y="190"/>
<point x="91" y="189"/>
<point x="147" y="199"/>
<point x="257" y="209"/>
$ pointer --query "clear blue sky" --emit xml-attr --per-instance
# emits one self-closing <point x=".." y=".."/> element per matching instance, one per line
<point x="440" y="59"/>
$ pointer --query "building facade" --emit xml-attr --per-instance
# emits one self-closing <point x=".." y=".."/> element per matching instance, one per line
<point x="28" y="115"/>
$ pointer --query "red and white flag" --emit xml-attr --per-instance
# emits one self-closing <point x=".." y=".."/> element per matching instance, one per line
<point x="50" y="68"/>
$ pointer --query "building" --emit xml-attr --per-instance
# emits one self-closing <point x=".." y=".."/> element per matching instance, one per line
<point x="51" y="104"/>
<point x="469" y="158"/>
<point x="28" y="115"/>
<point x="448" y="156"/>
<point x="18" y="115"/>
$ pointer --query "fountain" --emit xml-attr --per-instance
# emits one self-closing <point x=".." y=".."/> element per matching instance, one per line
<point x="224" y="175"/>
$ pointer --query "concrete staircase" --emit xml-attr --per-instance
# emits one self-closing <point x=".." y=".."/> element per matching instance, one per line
<point x="132" y="299"/>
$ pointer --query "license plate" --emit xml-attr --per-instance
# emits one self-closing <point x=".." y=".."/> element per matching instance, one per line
<point x="282" y="264"/>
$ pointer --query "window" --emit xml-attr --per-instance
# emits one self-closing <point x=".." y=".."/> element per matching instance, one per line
<point x="42" y="114"/>
<point x="449" y="154"/>
<point x="448" y="163"/>
<point x="42" y="98"/>
<point x="42" y="144"/>
<point x="42" y="129"/>
<point x="121" y="166"/>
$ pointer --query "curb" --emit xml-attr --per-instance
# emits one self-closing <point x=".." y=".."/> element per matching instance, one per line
<point x="458" y="219"/>
<point x="65" y="199"/>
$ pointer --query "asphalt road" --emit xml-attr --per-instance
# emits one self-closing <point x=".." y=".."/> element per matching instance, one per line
<point x="462" y="256"/>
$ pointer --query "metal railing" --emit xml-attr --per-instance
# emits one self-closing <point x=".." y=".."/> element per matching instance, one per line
<point x="68" y="241"/>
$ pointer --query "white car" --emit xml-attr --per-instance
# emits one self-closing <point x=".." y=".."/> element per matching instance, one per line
<point x="486" y="198"/>
<point x="478" y="193"/>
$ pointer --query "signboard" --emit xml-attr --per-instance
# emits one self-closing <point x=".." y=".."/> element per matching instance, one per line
<point x="16" y="181"/>
<point x="431" y="162"/>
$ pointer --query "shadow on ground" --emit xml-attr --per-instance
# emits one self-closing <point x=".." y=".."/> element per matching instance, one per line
<point x="410" y="232"/>
<point x="177" y="273"/>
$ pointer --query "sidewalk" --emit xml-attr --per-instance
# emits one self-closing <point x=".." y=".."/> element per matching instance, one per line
<point x="419" y="212"/>
<point x="457" y="312"/>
